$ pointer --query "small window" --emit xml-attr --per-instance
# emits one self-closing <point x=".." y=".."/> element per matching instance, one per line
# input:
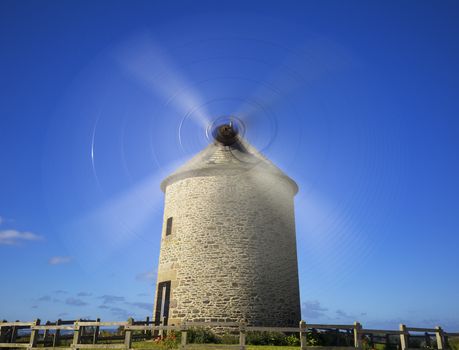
<point x="169" y="226"/>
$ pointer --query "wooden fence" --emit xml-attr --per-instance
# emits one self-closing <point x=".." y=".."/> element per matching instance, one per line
<point x="132" y="330"/>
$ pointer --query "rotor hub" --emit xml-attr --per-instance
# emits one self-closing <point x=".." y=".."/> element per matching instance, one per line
<point x="226" y="130"/>
<point x="226" y="134"/>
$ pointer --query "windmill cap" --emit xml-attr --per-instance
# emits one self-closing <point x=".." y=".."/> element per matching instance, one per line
<point x="218" y="159"/>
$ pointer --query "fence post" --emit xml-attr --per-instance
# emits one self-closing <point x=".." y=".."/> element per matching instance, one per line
<point x="3" y="331"/>
<point x="57" y="335"/>
<point x="82" y="330"/>
<point x="161" y="331"/>
<point x="440" y="338"/>
<point x="242" y="330"/>
<point x="14" y="334"/>
<point x="348" y="337"/>
<point x="128" y="334"/>
<point x="95" y="336"/>
<point x="46" y="332"/>
<point x="146" y="331"/>
<point x="357" y="335"/>
<point x="303" y="335"/>
<point x="403" y="337"/>
<point x="34" y="335"/>
<point x="76" y="335"/>
<point x="183" y="336"/>
<point x="427" y="339"/>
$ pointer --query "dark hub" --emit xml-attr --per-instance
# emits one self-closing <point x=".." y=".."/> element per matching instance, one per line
<point x="226" y="134"/>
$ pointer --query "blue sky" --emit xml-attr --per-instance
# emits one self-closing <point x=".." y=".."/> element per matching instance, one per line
<point x="357" y="101"/>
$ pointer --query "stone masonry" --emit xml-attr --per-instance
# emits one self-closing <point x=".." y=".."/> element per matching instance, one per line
<point x="231" y="254"/>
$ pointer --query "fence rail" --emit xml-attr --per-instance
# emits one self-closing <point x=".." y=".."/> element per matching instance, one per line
<point x="9" y="333"/>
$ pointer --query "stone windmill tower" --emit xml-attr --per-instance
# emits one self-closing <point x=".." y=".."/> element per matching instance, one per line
<point x="228" y="248"/>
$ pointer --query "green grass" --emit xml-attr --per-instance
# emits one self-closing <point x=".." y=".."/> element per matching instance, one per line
<point x="271" y="347"/>
<point x="153" y="346"/>
<point x="454" y="343"/>
<point x="145" y="345"/>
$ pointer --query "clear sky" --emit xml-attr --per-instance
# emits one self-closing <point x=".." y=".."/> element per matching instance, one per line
<point x="357" y="101"/>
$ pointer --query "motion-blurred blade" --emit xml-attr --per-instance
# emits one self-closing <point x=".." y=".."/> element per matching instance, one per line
<point x="119" y="221"/>
<point x="150" y="65"/>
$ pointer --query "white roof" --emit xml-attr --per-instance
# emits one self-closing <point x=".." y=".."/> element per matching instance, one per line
<point x="217" y="159"/>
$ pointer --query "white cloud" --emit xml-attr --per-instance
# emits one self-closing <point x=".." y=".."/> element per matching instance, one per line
<point x="313" y="309"/>
<point x="13" y="237"/>
<point x="58" y="260"/>
<point x="345" y="315"/>
<point x="110" y="299"/>
<point x="44" y="298"/>
<point x="120" y="313"/>
<point x="75" y="302"/>
<point x="141" y="305"/>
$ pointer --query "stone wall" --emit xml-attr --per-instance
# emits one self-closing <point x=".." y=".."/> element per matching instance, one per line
<point x="232" y="251"/>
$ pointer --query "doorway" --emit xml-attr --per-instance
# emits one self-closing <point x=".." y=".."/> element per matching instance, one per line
<point x="162" y="303"/>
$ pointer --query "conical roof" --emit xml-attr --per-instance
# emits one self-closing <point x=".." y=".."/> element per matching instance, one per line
<point x="221" y="159"/>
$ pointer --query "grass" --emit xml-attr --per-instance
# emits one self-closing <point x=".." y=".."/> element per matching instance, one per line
<point x="153" y="346"/>
<point x="271" y="347"/>
<point x="454" y="343"/>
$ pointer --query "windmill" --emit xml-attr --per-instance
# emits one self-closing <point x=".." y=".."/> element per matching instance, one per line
<point x="228" y="246"/>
